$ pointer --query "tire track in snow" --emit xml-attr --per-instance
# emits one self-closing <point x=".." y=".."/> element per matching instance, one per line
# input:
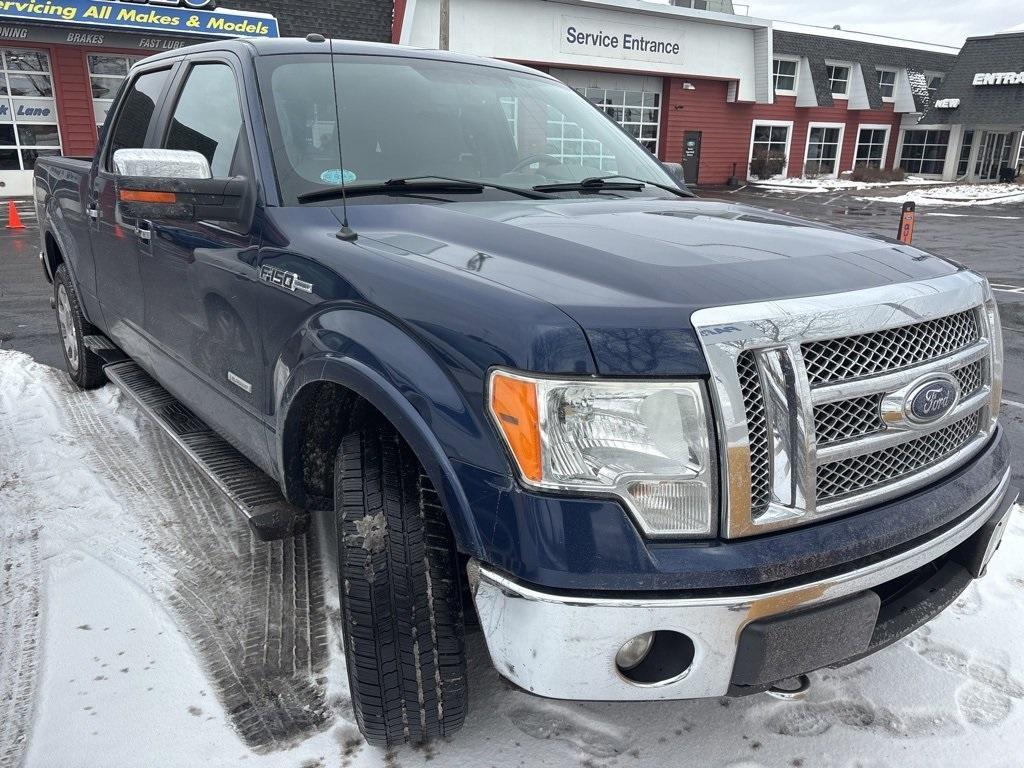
<point x="253" y="611"/>
<point x="21" y="587"/>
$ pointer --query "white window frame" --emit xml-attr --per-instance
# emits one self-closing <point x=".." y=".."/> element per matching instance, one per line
<point x="789" y="142"/>
<point x="795" y="60"/>
<point x="885" y="145"/>
<point x="849" y="77"/>
<point x="131" y="59"/>
<point x="839" y="146"/>
<point x="896" y="75"/>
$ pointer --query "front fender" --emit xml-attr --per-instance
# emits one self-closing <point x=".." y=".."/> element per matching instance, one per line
<point x="383" y="363"/>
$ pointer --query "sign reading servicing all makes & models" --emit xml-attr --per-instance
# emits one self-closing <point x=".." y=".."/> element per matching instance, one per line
<point x="159" y="16"/>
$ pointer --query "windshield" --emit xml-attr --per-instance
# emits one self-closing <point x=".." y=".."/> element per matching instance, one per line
<point x="407" y="117"/>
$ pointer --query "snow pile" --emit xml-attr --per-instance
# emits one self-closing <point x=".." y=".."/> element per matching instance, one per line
<point x="960" y="195"/>
<point x="141" y="625"/>
<point x="832" y="185"/>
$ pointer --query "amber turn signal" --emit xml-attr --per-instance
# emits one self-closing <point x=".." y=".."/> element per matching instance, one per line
<point x="146" y="196"/>
<point x="514" y="407"/>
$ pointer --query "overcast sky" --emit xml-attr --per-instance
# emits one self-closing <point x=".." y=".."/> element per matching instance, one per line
<point x="933" y="21"/>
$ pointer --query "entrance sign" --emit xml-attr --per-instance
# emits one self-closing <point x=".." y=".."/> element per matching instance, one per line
<point x="591" y="37"/>
<point x="999" y="78"/>
<point x="190" y="17"/>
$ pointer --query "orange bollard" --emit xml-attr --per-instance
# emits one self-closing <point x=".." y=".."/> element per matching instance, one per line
<point x="13" y="217"/>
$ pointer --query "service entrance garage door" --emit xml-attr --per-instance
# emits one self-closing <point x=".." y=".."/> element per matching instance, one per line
<point x="28" y="117"/>
<point x="633" y="101"/>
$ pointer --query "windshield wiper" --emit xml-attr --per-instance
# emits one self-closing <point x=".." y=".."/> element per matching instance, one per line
<point x="410" y="185"/>
<point x="599" y="183"/>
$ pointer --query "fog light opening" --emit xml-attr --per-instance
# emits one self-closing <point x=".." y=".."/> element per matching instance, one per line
<point x="655" y="658"/>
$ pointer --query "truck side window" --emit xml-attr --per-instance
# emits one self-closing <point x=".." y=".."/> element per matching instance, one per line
<point x="135" y="116"/>
<point x="208" y="119"/>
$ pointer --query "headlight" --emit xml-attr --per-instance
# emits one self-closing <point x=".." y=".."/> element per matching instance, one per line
<point x="995" y="333"/>
<point x="646" y="442"/>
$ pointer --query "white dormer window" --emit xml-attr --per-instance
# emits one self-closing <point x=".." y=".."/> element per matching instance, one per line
<point x="934" y="81"/>
<point x="784" y="75"/>
<point x="838" y="78"/>
<point x="887" y="83"/>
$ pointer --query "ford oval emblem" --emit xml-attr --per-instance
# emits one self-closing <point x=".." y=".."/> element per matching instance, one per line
<point x="932" y="399"/>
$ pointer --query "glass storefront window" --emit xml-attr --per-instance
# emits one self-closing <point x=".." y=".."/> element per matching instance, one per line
<point x="964" y="161"/>
<point x="28" y="111"/>
<point x="106" y="73"/>
<point x="924" y="151"/>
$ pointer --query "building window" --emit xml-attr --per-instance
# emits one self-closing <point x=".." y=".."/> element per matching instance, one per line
<point x="639" y="112"/>
<point x="871" y="145"/>
<point x="28" y="110"/>
<point x="963" y="164"/>
<point x="106" y="73"/>
<point x="924" y="151"/>
<point x="887" y="82"/>
<point x="769" y="149"/>
<point x="838" y="78"/>
<point x="934" y="83"/>
<point x="784" y="75"/>
<point x="823" y="145"/>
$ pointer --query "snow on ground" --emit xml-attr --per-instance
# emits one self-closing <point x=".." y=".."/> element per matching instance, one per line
<point x="960" y="195"/>
<point x="840" y="185"/>
<point x="141" y="625"/>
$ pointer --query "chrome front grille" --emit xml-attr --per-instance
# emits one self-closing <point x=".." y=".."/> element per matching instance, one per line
<point x="869" y="354"/>
<point x="760" y="460"/>
<point x="839" y="479"/>
<point x="813" y="395"/>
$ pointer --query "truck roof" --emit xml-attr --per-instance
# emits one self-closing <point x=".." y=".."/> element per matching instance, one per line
<point x="247" y="46"/>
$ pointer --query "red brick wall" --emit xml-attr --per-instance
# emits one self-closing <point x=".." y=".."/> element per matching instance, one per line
<point x="726" y="127"/>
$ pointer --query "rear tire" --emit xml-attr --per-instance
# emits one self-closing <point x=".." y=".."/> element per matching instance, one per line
<point x="400" y="592"/>
<point x="83" y="365"/>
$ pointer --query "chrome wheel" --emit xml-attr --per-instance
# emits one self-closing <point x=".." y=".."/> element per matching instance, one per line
<point x="68" y="332"/>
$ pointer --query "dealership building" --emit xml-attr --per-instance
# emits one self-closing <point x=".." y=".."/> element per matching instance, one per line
<point x="694" y="81"/>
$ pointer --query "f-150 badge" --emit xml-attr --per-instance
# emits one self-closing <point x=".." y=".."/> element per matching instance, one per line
<point x="288" y="280"/>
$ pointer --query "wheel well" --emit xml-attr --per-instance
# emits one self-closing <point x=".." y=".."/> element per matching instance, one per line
<point x="54" y="258"/>
<point x="320" y="416"/>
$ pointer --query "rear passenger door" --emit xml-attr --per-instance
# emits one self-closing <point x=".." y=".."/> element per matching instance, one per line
<point x="116" y="243"/>
<point x="200" y="280"/>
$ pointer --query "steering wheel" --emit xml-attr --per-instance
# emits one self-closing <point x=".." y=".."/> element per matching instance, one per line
<point x="531" y="159"/>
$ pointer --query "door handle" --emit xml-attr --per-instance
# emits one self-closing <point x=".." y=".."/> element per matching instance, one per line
<point x="93" y="211"/>
<point x="145" y="231"/>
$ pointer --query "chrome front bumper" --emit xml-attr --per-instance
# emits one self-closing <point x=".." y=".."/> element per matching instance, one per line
<point x="563" y="646"/>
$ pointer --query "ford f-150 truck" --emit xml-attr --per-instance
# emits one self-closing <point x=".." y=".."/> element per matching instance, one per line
<point x="656" y="447"/>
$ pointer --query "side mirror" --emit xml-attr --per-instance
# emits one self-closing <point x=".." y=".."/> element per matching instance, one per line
<point x="674" y="169"/>
<point x="178" y="185"/>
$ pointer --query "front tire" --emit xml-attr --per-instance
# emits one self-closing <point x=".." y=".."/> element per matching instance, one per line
<point x="400" y="593"/>
<point x="83" y="365"/>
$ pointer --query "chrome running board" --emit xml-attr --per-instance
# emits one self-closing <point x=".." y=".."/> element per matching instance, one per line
<point x="256" y="495"/>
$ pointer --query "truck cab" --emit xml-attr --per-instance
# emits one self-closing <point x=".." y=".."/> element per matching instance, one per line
<point x="655" y="447"/>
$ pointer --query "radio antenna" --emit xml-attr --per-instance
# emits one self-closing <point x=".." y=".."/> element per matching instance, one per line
<point x="346" y="232"/>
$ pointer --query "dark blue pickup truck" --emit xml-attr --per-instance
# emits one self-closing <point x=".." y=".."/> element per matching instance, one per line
<point x="655" y="447"/>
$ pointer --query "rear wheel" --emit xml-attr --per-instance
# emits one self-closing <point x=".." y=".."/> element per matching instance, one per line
<point x="400" y="592"/>
<point x="83" y="365"/>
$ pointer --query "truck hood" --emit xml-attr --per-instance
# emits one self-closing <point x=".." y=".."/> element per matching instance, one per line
<point x="631" y="272"/>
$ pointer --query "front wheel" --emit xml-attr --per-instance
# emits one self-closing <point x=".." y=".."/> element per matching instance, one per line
<point x="83" y="365"/>
<point x="400" y="592"/>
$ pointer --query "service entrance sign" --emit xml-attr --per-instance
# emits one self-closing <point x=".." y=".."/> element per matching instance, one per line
<point x="189" y="17"/>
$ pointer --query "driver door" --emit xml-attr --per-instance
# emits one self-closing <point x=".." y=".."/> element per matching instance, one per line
<point x="200" y="283"/>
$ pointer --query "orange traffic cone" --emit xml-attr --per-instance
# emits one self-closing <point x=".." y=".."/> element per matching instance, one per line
<point x="13" y="217"/>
